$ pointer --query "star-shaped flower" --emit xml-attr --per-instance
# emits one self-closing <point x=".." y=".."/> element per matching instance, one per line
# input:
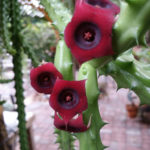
<point x="43" y="78"/>
<point x="89" y="34"/>
<point x="68" y="99"/>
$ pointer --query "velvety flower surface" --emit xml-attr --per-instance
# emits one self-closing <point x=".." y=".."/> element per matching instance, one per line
<point x="68" y="99"/>
<point x="43" y="78"/>
<point x="89" y="34"/>
<point x="106" y="5"/>
<point x="74" y="125"/>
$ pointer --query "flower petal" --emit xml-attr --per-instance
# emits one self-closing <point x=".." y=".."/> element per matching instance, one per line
<point x="68" y="98"/>
<point x="43" y="78"/>
<point x="89" y="34"/>
<point x="106" y="5"/>
<point x="74" y="125"/>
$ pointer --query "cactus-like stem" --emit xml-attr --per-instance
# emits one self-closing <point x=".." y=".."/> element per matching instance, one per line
<point x="129" y="73"/>
<point x="100" y="62"/>
<point x="4" y="29"/>
<point x="65" y="140"/>
<point x="20" y="100"/>
<point x="91" y="138"/>
<point x="17" y="61"/>
<point x="15" y="23"/>
<point x="63" y="62"/>
<point x="132" y="24"/>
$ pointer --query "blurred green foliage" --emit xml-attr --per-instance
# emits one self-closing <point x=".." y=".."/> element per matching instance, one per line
<point x="40" y="36"/>
<point x="69" y="4"/>
<point x="116" y="1"/>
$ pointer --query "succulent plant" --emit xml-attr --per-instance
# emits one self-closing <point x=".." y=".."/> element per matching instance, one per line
<point x="100" y="36"/>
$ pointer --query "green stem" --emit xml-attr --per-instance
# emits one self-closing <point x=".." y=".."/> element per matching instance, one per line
<point x="91" y="138"/>
<point x="129" y="73"/>
<point x="64" y="139"/>
<point x="20" y="100"/>
<point x="18" y="77"/>
<point x="100" y="62"/>
<point x="63" y="62"/>
<point x="4" y="29"/>
<point x="132" y="24"/>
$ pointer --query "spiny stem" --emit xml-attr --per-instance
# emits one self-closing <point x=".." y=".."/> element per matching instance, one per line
<point x="4" y="29"/>
<point x="129" y="73"/>
<point x="90" y="139"/>
<point x="17" y="44"/>
<point x="131" y="26"/>
<point x="63" y="62"/>
<point x="20" y="100"/>
<point x="64" y="139"/>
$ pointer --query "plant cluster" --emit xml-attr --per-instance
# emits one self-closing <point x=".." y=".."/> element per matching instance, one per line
<point x="96" y="35"/>
<point x="99" y="36"/>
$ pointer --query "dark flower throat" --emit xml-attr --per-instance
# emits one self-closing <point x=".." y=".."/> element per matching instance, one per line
<point x="87" y="35"/>
<point x="46" y="80"/>
<point x="68" y="98"/>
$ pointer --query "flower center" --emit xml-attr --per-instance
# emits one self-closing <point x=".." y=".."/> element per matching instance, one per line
<point x="99" y="3"/>
<point x="68" y="98"/>
<point x="46" y="80"/>
<point x="87" y="35"/>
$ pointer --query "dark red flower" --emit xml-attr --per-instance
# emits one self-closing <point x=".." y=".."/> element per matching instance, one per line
<point x="89" y="34"/>
<point x="74" y="125"/>
<point x="106" y="5"/>
<point x="43" y="78"/>
<point x="68" y="99"/>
